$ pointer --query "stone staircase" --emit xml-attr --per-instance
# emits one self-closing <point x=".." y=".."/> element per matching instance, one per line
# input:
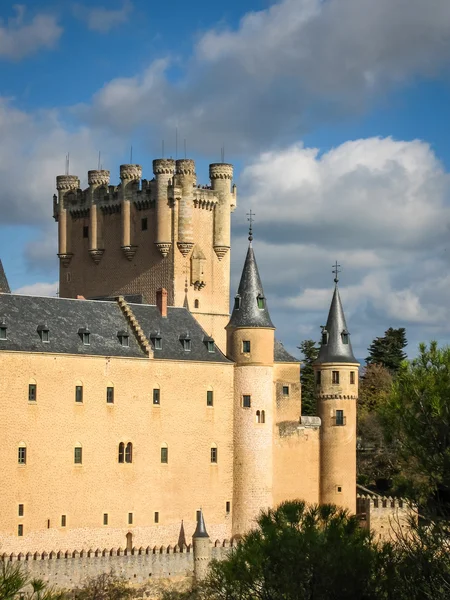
<point x="134" y="324"/>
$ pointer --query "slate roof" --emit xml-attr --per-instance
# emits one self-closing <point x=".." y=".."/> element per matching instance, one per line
<point x="335" y="350"/>
<point x="24" y="315"/>
<point x="4" y="285"/>
<point x="282" y="355"/>
<point x="250" y="287"/>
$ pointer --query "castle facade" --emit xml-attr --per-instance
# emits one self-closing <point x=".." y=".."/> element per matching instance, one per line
<point x="135" y="398"/>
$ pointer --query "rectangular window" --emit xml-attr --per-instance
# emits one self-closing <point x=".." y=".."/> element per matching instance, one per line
<point x="156" y="517"/>
<point x="165" y="455"/>
<point x="318" y="377"/>
<point x="85" y="231"/>
<point x="130" y="518"/>
<point x="110" y="395"/>
<point x="211" y="347"/>
<point x="339" y="489"/>
<point x="352" y="377"/>
<point x="78" y="456"/>
<point x="214" y="455"/>
<point x="105" y="518"/>
<point x="125" y="341"/>
<point x="78" y="393"/>
<point x="156" y="396"/>
<point x="86" y="339"/>
<point x="45" y="336"/>
<point x="246" y="401"/>
<point x="22" y="456"/>
<point x="63" y="520"/>
<point x="335" y="377"/>
<point x="3" y="333"/>
<point x="187" y="345"/>
<point x="285" y="390"/>
<point x="228" y="507"/>
<point x="144" y="224"/>
<point x="32" y="392"/>
<point x="237" y="303"/>
<point x="20" y="510"/>
<point x="20" y="530"/>
<point x="158" y="343"/>
<point x="209" y="398"/>
<point x="261" y="302"/>
<point x="339" y="417"/>
<point x="246" y="346"/>
<point x="48" y="523"/>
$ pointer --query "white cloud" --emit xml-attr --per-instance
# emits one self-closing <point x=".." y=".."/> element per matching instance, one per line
<point x="20" y="37"/>
<point x="38" y="289"/>
<point x="103" y="19"/>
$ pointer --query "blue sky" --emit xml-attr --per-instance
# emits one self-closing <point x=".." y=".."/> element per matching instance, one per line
<point x="334" y="113"/>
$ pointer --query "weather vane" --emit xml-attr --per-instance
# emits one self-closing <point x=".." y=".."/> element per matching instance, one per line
<point x="336" y="270"/>
<point x="250" y="219"/>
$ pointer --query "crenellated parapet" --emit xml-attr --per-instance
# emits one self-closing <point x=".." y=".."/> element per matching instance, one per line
<point x="220" y="171"/>
<point x="130" y="172"/>
<point x="387" y="517"/>
<point x="65" y="183"/>
<point x="98" y="177"/>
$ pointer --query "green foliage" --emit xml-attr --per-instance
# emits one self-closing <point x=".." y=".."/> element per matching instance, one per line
<point x="106" y="586"/>
<point x="310" y="352"/>
<point x="388" y="350"/>
<point x="14" y="582"/>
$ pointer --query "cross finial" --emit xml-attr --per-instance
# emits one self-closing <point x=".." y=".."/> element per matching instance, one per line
<point x="336" y="270"/>
<point x="250" y="219"/>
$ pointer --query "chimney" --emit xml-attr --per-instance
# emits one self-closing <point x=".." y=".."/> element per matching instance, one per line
<point x="161" y="301"/>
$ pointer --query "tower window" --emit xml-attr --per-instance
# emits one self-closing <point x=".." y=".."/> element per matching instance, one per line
<point x="20" y="530"/>
<point x="324" y="337"/>
<point x="3" y="333"/>
<point x="335" y="377"/>
<point x="339" y="489"/>
<point x="85" y="231"/>
<point x="22" y="455"/>
<point x="45" y="337"/>
<point x="344" y="336"/>
<point x="263" y="416"/>
<point x="196" y="304"/>
<point x="164" y="454"/>
<point x="129" y="453"/>
<point x="78" y="455"/>
<point x="209" y="398"/>
<point x="144" y="224"/>
<point x="285" y="390"/>
<point x="32" y="392"/>
<point x="63" y="520"/>
<point x="121" y="452"/>
<point x="237" y="303"/>
<point x="21" y="511"/>
<point x="352" y="377"/>
<point x="187" y="345"/>
<point x="125" y="340"/>
<point x="157" y="343"/>
<point x="246" y="346"/>
<point x="211" y="347"/>
<point x="78" y="393"/>
<point x="156" y="517"/>
<point x="130" y="518"/>
<point x="246" y="401"/>
<point x="261" y="301"/>
<point x="214" y="455"/>
<point x="318" y="377"/>
<point x="156" y="396"/>
<point x="105" y="518"/>
<point x="228" y="507"/>
<point x="110" y="395"/>
<point x="340" y="419"/>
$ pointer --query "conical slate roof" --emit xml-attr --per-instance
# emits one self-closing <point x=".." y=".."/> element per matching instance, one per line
<point x="200" y="531"/>
<point x="336" y="345"/>
<point x="246" y="311"/>
<point x="4" y="285"/>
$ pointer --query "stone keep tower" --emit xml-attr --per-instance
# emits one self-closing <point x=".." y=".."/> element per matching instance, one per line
<point x="142" y="235"/>
<point x="336" y="375"/>
<point x="250" y="344"/>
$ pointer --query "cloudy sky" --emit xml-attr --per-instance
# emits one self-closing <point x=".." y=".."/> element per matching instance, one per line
<point x="334" y="112"/>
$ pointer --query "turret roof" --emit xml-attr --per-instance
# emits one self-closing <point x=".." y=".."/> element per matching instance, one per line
<point x="200" y="530"/>
<point x="338" y="347"/>
<point x="4" y="285"/>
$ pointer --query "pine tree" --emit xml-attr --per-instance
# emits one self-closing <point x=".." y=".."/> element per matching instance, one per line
<point x="388" y="350"/>
<point x="310" y="352"/>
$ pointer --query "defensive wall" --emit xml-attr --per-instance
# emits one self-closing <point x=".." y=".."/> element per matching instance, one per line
<point x="387" y="517"/>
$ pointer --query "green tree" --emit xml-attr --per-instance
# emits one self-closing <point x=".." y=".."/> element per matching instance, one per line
<point x="14" y="582"/>
<point x="388" y="350"/>
<point x="310" y="352"/>
<point x="106" y="586"/>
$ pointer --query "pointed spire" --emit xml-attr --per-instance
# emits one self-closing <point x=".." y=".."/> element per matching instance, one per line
<point x="4" y="285"/>
<point x="200" y="531"/>
<point x="336" y="346"/>
<point x="250" y="306"/>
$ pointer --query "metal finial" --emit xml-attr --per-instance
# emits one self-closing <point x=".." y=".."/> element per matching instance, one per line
<point x="336" y="271"/>
<point x="250" y="219"/>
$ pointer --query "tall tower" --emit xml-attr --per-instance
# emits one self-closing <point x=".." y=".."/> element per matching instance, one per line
<point x="141" y="235"/>
<point x="336" y="375"/>
<point x="250" y="344"/>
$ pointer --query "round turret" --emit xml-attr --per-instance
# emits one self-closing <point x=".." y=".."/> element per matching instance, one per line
<point x="130" y="172"/>
<point x="185" y="166"/>
<point x="98" y="177"/>
<point x="67" y="182"/>
<point x="220" y="171"/>
<point x="163" y="166"/>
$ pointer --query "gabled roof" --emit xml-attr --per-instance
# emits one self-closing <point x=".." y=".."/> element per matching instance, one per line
<point x="4" y="285"/>
<point x="246" y="313"/>
<point x="335" y="350"/>
<point x="282" y="355"/>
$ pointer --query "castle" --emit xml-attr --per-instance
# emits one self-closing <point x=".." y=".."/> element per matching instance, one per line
<point x="134" y="398"/>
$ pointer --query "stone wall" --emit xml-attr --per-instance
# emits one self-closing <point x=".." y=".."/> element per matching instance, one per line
<point x="387" y="517"/>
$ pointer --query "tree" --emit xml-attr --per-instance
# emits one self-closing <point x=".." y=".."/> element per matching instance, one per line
<point x="388" y="350"/>
<point x="14" y="582"/>
<point x="106" y="586"/>
<point x="310" y="352"/>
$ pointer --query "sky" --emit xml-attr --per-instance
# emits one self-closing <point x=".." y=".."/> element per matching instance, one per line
<point x="334" y="113"/>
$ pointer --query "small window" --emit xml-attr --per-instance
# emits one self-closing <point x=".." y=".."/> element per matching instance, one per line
<point x="45" y="336"/>
<point x="209" y="398"/>
<point x="263" y="416"/>
<point x="85" y="231"/>
<point x="156" y="517"/>
<point x="48" y="523"/>
<point x="335" y="377"/>
<point x="352" y="377"/>
<point x="164" y="455"/>
<point x="78" y="393"/>
<point x="246" y="346"/>
<point x="214" y="455"/>
<point x="20" y="530"/>
<point x="144" y="224"/>
<point x="63" y="520"/>
<point x="196" y="304"/>
<point x="246" y="401"/>
<point x="156" y="396"/>
<point x="86" y="339"/>
<point x="339" y="489"/>
<point x="237" y="303"/>
<point x="324" y="337"/>
<point x="318" y="377"/>
<point x="22" y="455"/>
<point x="285" y="390"/>
<point x="121" y="452"/>
<point x="3" y="335"/>
<point x="32" y="392"/>
<point x="129" y="453"/>
<point x="261" y="302"/>
<point x="125" y="341"/>
<point x="130" y="518"/>
<point x="211" y="347"/>
<point x="258" y="416"/>
<point x="157" y="343"/>
<point x="105" y="518"/>
<point x="110" y="395"/>
<point x="21" y="511"/>
<point x="187" y="345"/>
<point x="78" y="455"/>
<point x="340" y="420"/>
<point x="228" y="507"/>
<point x="344" y="336"/>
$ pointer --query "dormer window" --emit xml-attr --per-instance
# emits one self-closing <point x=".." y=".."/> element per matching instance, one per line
<point x="156" y="339"/>
<point x="124" y="338"/>
<point x="209" y="341"/>
<point x="324" y="337"/>
<point x="344" y="336"/>
<point x="237" y="302"/>
<point x="85" y="336"/>
<point x="261" y="301"/>
<point x="3" y="335"/>
<point x="185" y="339"/>
<point x="44" y="333"/>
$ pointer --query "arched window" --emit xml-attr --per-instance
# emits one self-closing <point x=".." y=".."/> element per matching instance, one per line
<point x="121" y="452"/>
<point x="129" y="453"/>
<point x="258" y="416"/>
<point x="263" y="416"/>
<point x="197" y="304"/>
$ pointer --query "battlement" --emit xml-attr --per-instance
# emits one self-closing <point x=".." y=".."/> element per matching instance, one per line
<point x="67" y="182"/>
<point x="98" y="177"/>
<point x="386" y="516"/>
<point x="220" y="171"/>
